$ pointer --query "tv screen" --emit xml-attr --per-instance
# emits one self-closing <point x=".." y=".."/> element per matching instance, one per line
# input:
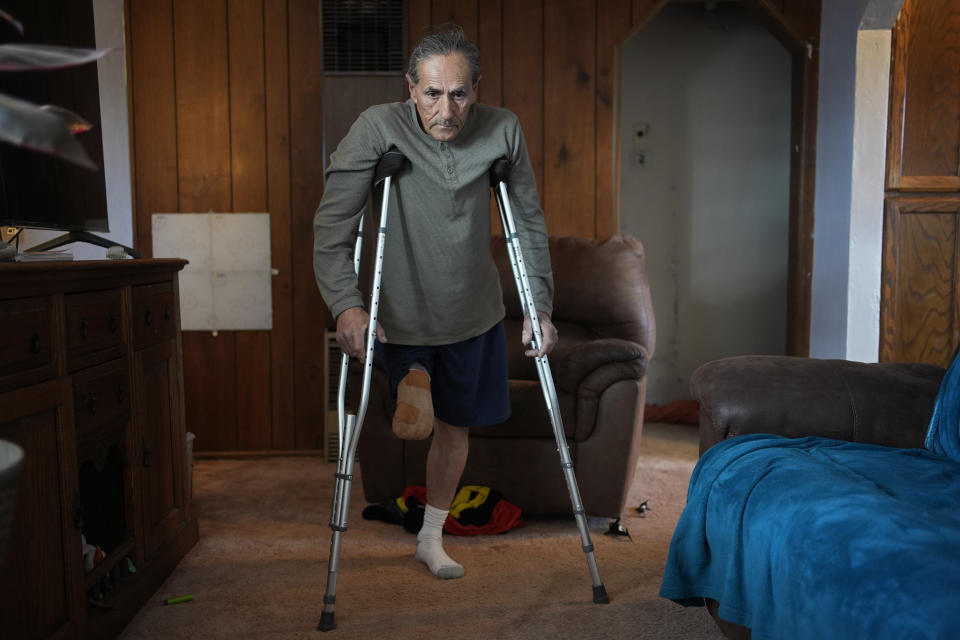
<point x="38" y="190"/>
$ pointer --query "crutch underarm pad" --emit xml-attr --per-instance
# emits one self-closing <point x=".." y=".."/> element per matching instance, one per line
<point x="572" y="365"/>
<point x="500" y="172"/>
<point x="390" y="163"/>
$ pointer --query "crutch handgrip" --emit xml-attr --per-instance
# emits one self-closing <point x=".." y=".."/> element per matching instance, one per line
<point x="499" y="172"/>
<point x="390" y="163"/>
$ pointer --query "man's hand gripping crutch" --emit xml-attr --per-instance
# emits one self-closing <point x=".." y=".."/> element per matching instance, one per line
<point x="349" y="424"/>
<point x="499" y="176"/>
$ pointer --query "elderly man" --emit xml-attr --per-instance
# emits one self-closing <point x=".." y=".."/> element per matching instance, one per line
<point x="441" y="305"/>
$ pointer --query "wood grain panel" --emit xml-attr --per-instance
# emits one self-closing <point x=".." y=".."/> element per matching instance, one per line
<point x="804" y="15"/>
<point x="569" y="119"/>
<point x="278" y="204"/>
<point x="460" y="12"/>
<point x="613" y="25"/>
<point x="203" y="145"/>
<point x="919" y="302"/>
<point x="48" y="603"/>
<point x="153" y="114"/>
<point x="248" y="173"/>
<point x="203" y="105"/>
<point x="419" y="19"/>
<point x="490" y="42"/>
<point x="523" y="66"/>
<point x="924" y="141"/>
<point x="306" y="132"/>
<point x="254" y="413"/>
<point x="210" y="389"/>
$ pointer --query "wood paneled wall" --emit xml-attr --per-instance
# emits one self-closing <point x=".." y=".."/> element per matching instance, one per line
<point x="920" y="293"/>
<point x="226" y="116"/>
<point x="551" y="63"/>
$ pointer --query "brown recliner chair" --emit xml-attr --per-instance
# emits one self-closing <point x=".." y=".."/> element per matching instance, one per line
<point x="605" y="321"/>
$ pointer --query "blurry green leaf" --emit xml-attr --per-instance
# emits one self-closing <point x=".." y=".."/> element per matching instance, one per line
<point x="26" y="125"/>
<point x="30" y="57"/>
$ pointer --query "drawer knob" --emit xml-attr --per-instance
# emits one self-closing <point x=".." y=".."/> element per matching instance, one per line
<point x="83" y="328"/>
<point x="112" y="323"/>
<point x="120" y="393"/>
<point x="148" y="317"/>
<point x="166" y="311"/>
<point x="35" y="342"/>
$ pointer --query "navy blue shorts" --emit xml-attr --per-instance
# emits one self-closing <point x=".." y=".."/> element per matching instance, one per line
<point x="468" y="379"/>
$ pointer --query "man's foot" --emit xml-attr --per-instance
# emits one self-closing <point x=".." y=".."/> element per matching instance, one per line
<point x="430" y="545"/>
<point x="430" y="552"/>
<point x="413" y="419"/>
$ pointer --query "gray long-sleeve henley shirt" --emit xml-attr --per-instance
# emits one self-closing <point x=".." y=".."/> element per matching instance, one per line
<point x="439" y="284"/>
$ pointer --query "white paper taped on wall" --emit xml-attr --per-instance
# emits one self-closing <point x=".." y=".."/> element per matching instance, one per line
<point x="226" y="284"/>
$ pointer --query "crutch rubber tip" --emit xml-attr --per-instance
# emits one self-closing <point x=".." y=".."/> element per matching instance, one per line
<point x="327" y="623"/>
<point x="600" y="595"/>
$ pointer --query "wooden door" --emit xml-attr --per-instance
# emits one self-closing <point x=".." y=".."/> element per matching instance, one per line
<point x="923" y="152"/>
<point x="41" y="581"/>
<point x="921" y="275"/>
<point x="161" y="444"/>
<point x="920" y="305"/>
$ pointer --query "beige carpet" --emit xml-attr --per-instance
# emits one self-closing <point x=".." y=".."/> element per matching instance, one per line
<point x="259" y="569"/>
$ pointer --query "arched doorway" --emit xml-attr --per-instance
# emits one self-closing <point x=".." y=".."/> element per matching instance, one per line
<point x="712" y="109"/>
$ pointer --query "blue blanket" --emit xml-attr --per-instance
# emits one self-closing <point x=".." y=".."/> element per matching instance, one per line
<point x="819" y="538"/>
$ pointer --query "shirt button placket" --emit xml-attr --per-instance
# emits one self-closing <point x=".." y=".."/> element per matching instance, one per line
<point x="447" y="160"/>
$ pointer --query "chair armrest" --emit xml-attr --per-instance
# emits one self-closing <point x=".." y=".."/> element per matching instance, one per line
<point x="881" y="403"/>
<point x="599" y="363"/>
<point x="587" y="369"/>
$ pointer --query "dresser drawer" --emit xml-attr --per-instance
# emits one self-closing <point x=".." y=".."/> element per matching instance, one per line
<point x="153" y="317"/>
<point x="101" y="396"/>
<point x="94" y="328"/>
<point x="26" y="354"/>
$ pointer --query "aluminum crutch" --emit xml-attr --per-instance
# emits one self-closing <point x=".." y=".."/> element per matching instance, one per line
<point x="349" y="424"/>
<point x="499" y="175"/>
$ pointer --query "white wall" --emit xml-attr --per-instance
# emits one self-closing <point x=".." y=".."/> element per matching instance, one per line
<point x="711" y="204"/>
<point x="871" y="97"/>
<point x="831" y="227"/>
<point x="108" y="19"/>
<point x="848" y="205"/>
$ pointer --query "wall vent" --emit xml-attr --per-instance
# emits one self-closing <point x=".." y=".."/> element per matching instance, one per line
<point x="363" y="36"/>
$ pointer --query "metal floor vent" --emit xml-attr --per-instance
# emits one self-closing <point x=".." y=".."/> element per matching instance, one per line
<point x="363" y="36"/>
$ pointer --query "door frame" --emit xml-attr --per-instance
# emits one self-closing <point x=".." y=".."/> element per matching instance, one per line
<point x="804" y="57"/>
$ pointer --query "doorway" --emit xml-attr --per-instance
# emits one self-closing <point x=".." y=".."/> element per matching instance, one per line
<point x="705" y="183"/>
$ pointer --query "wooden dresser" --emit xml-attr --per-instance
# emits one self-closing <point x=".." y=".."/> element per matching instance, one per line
<point x="91" y="387"/>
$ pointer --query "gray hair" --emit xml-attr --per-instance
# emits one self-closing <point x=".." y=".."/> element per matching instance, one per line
<point x="448" y="40"/>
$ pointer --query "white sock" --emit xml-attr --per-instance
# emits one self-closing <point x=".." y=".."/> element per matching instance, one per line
<point x="430" y="546"/>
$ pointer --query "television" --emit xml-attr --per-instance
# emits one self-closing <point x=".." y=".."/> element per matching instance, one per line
<point x="38" y="190"/>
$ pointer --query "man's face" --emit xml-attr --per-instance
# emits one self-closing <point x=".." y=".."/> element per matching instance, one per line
<point x="443" y="95"/>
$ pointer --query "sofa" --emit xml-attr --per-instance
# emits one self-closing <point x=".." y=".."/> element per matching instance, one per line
<point x="825" y="502"/>
<point x="605" y="322"/>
